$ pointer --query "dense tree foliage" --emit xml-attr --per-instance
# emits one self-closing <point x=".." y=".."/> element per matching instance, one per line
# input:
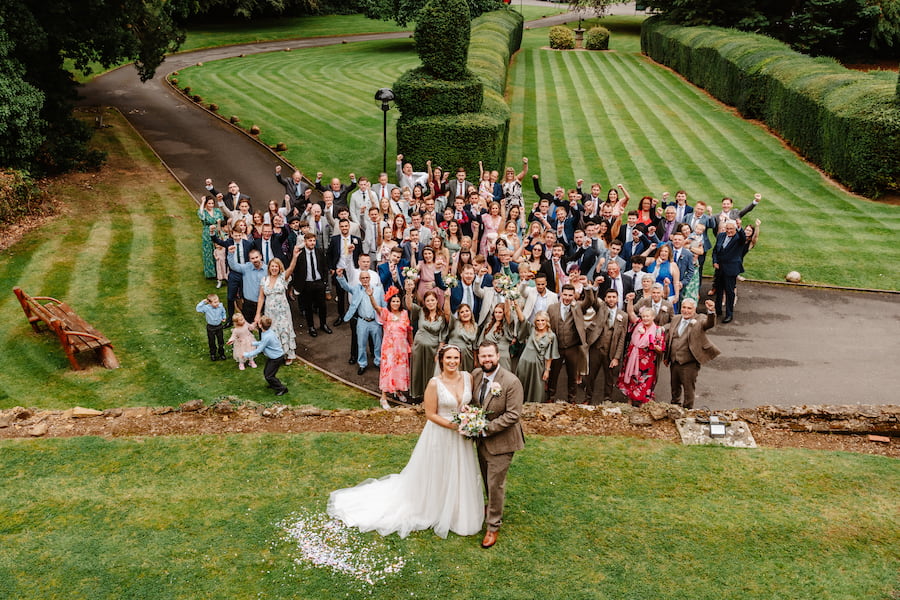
<point x="442" y="37"/>
<point x="405" y="11"/>
<point x="841" y="28"/>
<point x="36" y="38"/>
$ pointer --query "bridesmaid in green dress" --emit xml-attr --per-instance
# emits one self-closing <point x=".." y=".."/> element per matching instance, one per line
<point x="431" y="329"/>
<point x="211" y="217"/>
<point x="463" y="334"/>
<point x="540" y="350"/>
<point x="500" y="329"/>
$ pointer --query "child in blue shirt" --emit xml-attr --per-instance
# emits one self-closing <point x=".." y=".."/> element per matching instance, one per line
<point x="215" y="325"/>
<point x="269" y="345"/>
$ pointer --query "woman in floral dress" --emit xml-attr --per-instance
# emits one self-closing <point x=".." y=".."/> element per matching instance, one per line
<point x="211" y="217"/>
<point x="638" y="375"/>
<point x="272" y="296"/>
<point x="395" y="345"/>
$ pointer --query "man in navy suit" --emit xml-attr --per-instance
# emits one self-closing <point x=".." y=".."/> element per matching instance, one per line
<point x="343" y="253"/>
<point x="464" y="292"/>
<point x="391" y="272"/>
<point x="728" y="260"/>
<point x="270" y="245"/>
<point x="641" y="242"/>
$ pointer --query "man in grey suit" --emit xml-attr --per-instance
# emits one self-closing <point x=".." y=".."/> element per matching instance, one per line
<point x="383" y="188"/>
<point x="295" y="188"/>
<point x="501" y="395"/>
<point x="687" y="347"/>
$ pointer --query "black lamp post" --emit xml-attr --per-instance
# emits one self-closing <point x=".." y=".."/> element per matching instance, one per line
<point x="385" y="96"/>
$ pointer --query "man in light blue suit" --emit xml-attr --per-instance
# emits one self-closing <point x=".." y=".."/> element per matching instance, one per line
<point x="363" y="305"/>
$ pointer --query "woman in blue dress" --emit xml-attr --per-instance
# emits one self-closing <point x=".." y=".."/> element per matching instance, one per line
<point x="666" y="272"/>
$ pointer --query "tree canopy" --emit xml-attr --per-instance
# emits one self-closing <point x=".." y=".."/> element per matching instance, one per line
<point x="38" y="131"/>
<point x="405" y="11"/>
<point x="840" y="28"/>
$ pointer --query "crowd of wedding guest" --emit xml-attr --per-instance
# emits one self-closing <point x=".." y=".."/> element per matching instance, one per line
<point x="599" y="284"/>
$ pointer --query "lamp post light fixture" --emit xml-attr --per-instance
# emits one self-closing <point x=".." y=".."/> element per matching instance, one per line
<point x="385" y="96"/>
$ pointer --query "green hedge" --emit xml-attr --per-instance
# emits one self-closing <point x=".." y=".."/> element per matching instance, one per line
<point x="847" y="122"/>
<point x="461" y="140"/>
<point x="419" y="93"/>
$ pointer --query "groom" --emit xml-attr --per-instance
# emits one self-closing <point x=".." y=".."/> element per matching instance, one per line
<point x="500" y="393"/>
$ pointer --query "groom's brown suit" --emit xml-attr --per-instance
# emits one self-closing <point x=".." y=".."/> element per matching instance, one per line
<point x="504" y="437"/>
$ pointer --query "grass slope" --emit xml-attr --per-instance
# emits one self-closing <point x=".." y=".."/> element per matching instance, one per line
<point x="115" y="257"/>
<point x="612" y="117"/>
<point x="587" y="518"/>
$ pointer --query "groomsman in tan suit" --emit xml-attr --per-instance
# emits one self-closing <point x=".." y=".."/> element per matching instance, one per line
<point x="687" y="347"/>
<point x="606" y="340"/>
<point x="567" y="322"/>
<point x="500" y="393"/>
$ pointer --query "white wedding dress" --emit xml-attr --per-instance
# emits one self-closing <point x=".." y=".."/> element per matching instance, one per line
<point x="439" y="488"/>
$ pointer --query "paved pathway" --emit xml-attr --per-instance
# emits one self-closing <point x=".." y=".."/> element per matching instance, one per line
<point x="786" y="346"/>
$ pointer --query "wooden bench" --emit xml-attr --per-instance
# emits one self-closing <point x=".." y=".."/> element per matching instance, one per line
<point x="74" y="333"/>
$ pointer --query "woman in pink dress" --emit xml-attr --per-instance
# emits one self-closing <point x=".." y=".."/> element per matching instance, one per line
<point x="490" y="223"/>
<point x="429" y="271"/>
<point x="395" y="347"/>
<point x="638" y="375"/>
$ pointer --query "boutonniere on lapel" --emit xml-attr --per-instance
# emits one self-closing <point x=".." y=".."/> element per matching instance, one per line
<point x="664" y="308"/>
<point x="692" y="321"/>
<point x="496" y="389"/>
<point x="619" y="317"/>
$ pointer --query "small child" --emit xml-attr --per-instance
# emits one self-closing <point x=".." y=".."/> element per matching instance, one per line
<point x="215" y="325"/>
<point x="268" y="343"/>
<point x="220" y="254"/>
<point x="242" y="339"/>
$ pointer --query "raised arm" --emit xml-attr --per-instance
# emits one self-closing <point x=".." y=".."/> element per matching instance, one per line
<point x="290" y="270"/>
<point x="524" y="170"/>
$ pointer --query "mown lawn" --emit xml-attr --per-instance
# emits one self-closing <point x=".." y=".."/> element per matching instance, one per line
<point x="612" y="117"/>
<point x="586" y="518"/>
<point x="117" y="256"/>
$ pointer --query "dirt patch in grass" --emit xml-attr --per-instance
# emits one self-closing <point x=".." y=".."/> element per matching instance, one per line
<point x="235" y="418"/>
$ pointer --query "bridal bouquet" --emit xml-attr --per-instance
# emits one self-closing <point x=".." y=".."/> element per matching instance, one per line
<point x="472" y="421"/>
<point x="451" y="281"/>
<point x="411" y="273"/>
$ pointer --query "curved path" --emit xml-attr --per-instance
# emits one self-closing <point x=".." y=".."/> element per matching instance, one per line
<point x="787" y="345"/>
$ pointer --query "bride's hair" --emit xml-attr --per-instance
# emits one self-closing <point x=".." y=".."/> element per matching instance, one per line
<point x="443" y="351"/>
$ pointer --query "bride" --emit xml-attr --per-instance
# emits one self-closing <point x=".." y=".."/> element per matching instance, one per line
<point x="440" y="486"/>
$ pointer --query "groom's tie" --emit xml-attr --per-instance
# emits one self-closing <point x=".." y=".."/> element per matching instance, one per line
<point x="484" y="385"/>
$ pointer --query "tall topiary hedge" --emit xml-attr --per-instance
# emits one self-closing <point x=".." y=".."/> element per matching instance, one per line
<point x="461" y="140"/>
<point x="847" y="122"/>
<point x="442" y="37"/>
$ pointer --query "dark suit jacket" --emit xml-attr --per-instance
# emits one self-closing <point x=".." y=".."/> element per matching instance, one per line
<point x="247" y="247"/>
<point x="685" y="265"/>
<point x="334" y="250"/>
<point x="342" y="196"/>
<point x="627" y="286"/>
<point x="408" y="253"/>
<point x="300" y="270"/>
<point x="645" y="242"/>
<point x="587" y="256"/>
<point x="275" y="244"/>
<point x="456" y="298"/>
<point x="730" y="258"/>
<point x="384" y="273"/>
<point x="232" y="202"/>
<point x="298" y="199"/>
<point x="688" y="209"/>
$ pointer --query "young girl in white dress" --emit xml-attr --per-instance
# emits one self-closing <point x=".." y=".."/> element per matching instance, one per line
<point x="440" y="487"/>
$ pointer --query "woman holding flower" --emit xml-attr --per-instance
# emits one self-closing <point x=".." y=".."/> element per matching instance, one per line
<point x="541" y="349"/>
<point x="431" y="328"/>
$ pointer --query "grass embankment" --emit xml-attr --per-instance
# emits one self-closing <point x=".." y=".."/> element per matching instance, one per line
<point x="613" y="117"/>
<point x="118" y="257"/>
<point x="586" y="518"/>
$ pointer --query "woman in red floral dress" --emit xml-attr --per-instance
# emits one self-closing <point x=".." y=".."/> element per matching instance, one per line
<point x="638" y="375"/>
<point x="395" y="347"/>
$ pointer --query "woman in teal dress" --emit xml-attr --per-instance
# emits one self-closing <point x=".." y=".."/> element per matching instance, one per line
<point x="211" y="217"/>
<point x="431" y="329"/>
<point x="540" y="350"/>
